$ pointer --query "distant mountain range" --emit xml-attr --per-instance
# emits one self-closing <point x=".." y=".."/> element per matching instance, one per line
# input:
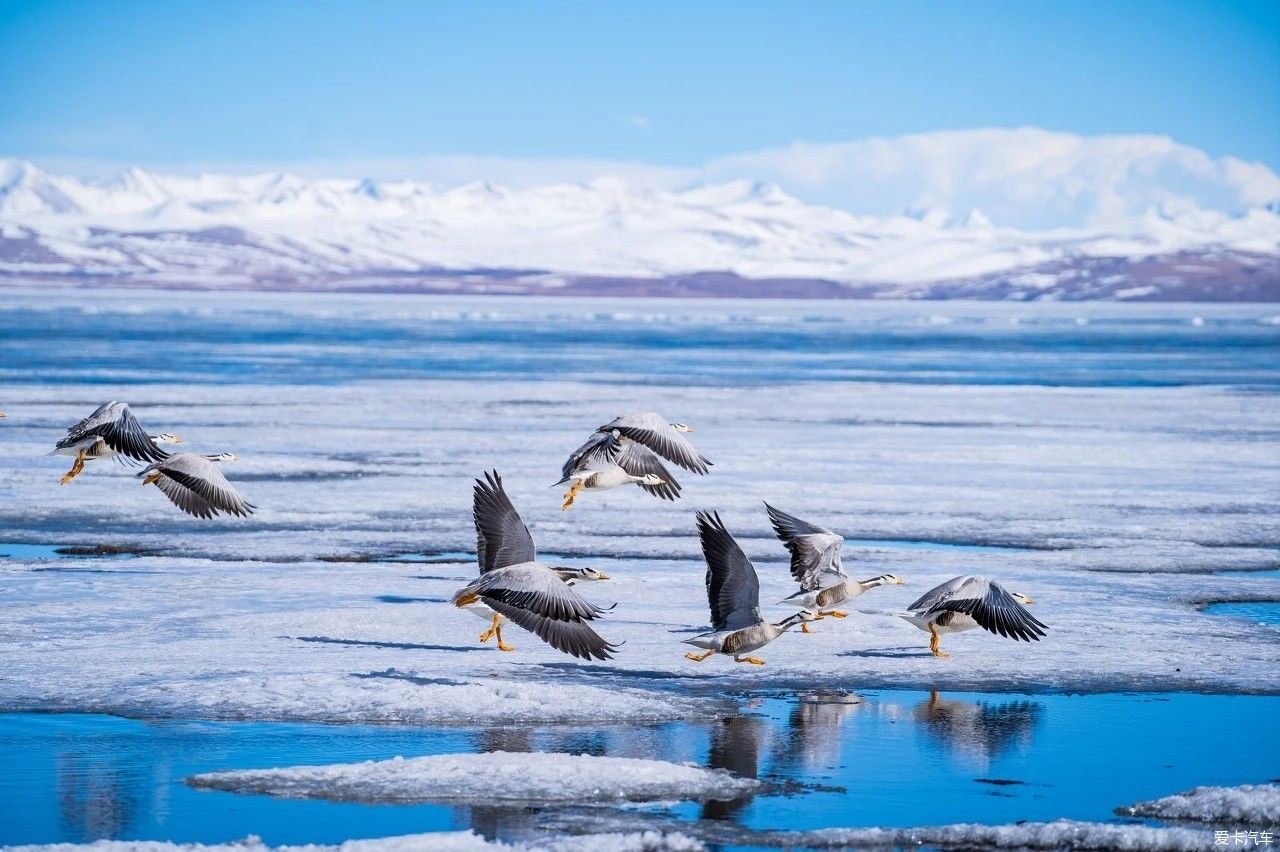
<point x="734" y="238"/>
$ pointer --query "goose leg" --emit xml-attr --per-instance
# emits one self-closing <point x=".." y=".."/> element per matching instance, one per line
<point x="755" y="661"/>
<point x="574" y="491"/>
<point x="838" y="613"/>
<point x="76" y="467"/>
<point x="804" y="628"/>
<point x="934" y="638"/>
<point x="697" y="658"/>
<point x="488" y="634"/>
<point x="497" y="631"/>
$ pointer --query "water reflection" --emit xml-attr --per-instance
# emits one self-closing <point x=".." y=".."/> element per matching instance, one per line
<point x="736" y="745"/>
<point x="980" y="730"/>
<point x="95" y="800"/>
<point x="814" y="729"/>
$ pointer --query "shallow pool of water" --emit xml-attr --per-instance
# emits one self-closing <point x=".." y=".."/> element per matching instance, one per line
<point x="1262" y="612"/>
<point x="889" y="758"/>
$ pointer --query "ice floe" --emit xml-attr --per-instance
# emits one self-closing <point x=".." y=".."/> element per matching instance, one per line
<point x="489" y="777"/>
<point x="449" y="841"/>
<point x="1248" y="804"/>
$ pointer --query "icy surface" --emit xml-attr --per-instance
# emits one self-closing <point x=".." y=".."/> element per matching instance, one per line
<point x="1059" y="834"/>
<point x="457" y="841"/>
<point x="1249" y="804"/>
<point x="496" y="776"/>
<point x="1114" y="507"/>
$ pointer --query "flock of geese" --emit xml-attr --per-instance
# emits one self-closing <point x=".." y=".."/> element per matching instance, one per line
<point x="515" y="586"/>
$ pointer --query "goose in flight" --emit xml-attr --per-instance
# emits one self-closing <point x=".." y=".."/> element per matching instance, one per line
<point x="627" y="450"/>
<point x="815" y="564"/>
<point x="514" y="585"/>
<point x="500" y="539"/>
<point x="733" y="593"/>
<point x="963" y="603"/>
<point x="195" y="484"/>
<point x="110" y="432"/>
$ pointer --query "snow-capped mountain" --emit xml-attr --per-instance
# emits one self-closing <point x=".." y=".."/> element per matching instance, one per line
<point x="731" y="237"/>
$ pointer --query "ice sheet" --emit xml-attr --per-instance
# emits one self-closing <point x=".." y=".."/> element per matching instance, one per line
<point x="454" y="841"/>
<point x="1248" y="804"/>
<point x="1117" y="508"/>
<point x="496" y="776"/>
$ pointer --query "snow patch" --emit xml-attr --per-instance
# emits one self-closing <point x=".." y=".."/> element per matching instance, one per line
<point x="490" y="777"/>
<point x="1248" y="804"/>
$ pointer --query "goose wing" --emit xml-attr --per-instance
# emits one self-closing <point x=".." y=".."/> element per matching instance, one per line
<point x="939" y="593"/>
<point x="532" y="596"/>
<point x="733" y="589"/>
<point x="202" y="478"/>
<point x="652" y="430"/>
<point x="600" y="446"/>
<point x="502" y="538"/>
<point x="995" y="610"/>
<point x="639" y="460"/>
<point x="815" y="550"/>
<point x="115" y="424"/>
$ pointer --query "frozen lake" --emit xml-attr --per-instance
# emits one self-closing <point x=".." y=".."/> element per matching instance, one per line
<point x="1120" y="463"/>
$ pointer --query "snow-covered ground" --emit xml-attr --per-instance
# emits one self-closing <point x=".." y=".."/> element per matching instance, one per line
<point x="459" y="841"/>
<point x="1249" y="804"/>
<point x="487" y="778"/>
<point x="1112" y="507"/>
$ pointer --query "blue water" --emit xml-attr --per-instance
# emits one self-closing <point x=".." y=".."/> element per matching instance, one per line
<point x="1262" y="612"/>
<point x="319" y="339"/>
<point x="888" y="758"/>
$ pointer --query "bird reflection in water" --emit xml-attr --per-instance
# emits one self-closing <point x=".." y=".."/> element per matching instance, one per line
<point x="94" y="801"/>
<point x="979" y="729"/>
<point x="736" y="743"/>
<point x="814" y="729"/>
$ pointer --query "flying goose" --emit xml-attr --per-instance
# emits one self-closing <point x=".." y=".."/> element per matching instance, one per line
<point x="110" y="431"/>
<point x="963" y="603"/>
<point x="815" y="564"/>
<point x="513" y="584"/>
<point x="733" y="593"/>
<point x="626" y="450"/>
<point x="501" y="539"/>
<point x="195" y="484"/>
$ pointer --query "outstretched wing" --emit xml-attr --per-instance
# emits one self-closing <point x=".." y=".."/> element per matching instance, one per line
<point x="115" y="424"/>
<point x="995" y="610"/>
<point x="815" y="550"/>
<point x="649" y="428"/>
<point x="533" y="597"/>
<point x="502" y="539"/>
<point x="638" y="460"/>
<point x="202" y="478"/>
<point x="600" y="446"/>
<point x="733" y="589"/>
<point x="940" y="593"/>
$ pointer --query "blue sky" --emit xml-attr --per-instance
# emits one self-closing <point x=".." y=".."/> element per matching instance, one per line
<point x="162" y="83"/>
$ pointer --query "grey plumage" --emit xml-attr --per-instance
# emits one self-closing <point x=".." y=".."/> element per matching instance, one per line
<point x="113" y="424"/>
<point x="502" y="538"/>
<point x="815" y="550"/>
<point x="531" y="594"/>
<point x="733" y="596"/>
<point x="604" y="450"/>
<point x="985" y="601"/>
<point x="653" y="431"/>
<point x="733" y="588"/>
<point x="197" y="486"/>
